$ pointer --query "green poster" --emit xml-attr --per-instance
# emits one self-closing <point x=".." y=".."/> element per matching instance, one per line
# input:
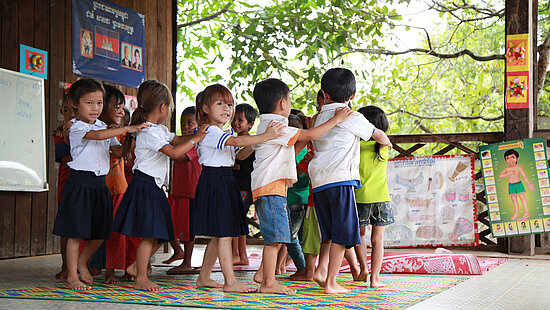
<point x="515" y="174"/>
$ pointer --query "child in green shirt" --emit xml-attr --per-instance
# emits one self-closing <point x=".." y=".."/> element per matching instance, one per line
<point x="373" y="198"/>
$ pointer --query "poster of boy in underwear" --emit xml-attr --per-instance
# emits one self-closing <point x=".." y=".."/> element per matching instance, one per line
<point x="515" y="174"/>
<point x="520" y="175"/>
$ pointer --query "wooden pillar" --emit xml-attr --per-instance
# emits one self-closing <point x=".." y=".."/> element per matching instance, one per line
<point x="521" y="17"/>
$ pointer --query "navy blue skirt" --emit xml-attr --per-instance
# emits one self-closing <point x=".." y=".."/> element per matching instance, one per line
<point x="86" y="207"/>
<point x="144" y="210"/>
<point x="218" y="209"/>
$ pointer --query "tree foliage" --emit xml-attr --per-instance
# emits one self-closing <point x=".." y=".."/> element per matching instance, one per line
<point x="452" y="81"/>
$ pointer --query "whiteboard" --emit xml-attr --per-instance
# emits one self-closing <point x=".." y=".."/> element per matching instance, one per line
<point x="22" y="135"/>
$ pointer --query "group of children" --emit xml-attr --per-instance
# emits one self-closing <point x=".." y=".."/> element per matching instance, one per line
<point x="217" y="176"/>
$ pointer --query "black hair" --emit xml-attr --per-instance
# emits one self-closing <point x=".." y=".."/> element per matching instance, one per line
<point x="378" y="119"/>
<point x="302" y="116"/>
<point x="126" y="119"/>
<point x="268" y="93"/>
<point x="295" y="121"/>
<point x="83" y="87"/>
<point x="189" y="110"/>
<point x="511" y="152"/>
<point x="111" y="92"/>
<point x="249" y="112"/>
<point x="339" y="84"/>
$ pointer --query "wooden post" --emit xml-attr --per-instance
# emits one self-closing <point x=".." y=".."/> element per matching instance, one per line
<point x="521" y="17"/>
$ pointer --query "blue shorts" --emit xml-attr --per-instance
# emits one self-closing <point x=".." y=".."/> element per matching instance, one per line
<point x="376" y="213"/>
<point x="274" y="219"/>
<point x="337" y="215"/>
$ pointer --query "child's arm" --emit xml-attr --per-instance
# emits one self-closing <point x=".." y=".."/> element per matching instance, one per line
<point x="274" y="130"/>
<point x="524" y="175"/>
<point x="177" y="151"/>
<point x="315" y="132"/>
<point x="381" y="138"/>
<point x="105" y="134"/>
<point x="243" y="153"/>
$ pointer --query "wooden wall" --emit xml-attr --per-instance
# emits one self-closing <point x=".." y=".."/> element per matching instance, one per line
<point x="27" y="218"/>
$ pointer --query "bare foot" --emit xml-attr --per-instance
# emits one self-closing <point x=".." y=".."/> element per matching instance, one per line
<point x="320" y="277"/>
<point x="85" y="274"/>
<point x="378" y="284"/>
<point x="208" y="283"/>
<point x="239" y="287"/>
<point x="280" y="270"/>
<point x="241" y="262"/>
<point x="77" y="285"/>
<point x="258" y="277"/>
<point x="515" y="216"/>
<point x="144" y="284"/>
<point x="277" y="288"/>
<point x="110" y="277"/>
<point x="62" y="275"/>
<point x="132" y="269"/>
<point x="302" y="275"/>
<point x="336" y="289"/>
<point x="94" y="271"/>
<point x="127" y="277"/>
<point x="361" y="277"/>
<point x="149" y="268"/>
<point x="176" y="256"/>
<point x="181" y="268"/>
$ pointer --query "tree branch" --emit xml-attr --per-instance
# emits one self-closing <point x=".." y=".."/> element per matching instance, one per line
<point x="424" y="51"/>
<point x="464" y="117"/>
<point x="207" y="18"/>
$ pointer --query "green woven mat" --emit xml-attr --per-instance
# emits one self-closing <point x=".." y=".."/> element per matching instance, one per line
<point x="402" y="291"/>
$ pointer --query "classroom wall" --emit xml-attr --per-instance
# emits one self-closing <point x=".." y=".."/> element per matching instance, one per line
<point x="26" y="219"/>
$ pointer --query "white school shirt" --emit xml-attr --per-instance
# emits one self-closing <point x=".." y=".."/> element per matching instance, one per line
<point x="336" y="159"/>
<point x="89" y="155"/>
<point x="148" y="158"/>
<point x="212" y="150"/>
<point x="274" y="158"/>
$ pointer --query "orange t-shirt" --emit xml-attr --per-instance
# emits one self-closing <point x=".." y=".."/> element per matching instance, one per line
<point x="115" y="178"/>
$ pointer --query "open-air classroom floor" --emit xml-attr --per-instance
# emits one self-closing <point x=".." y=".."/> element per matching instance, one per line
<point x="520" y="283"/>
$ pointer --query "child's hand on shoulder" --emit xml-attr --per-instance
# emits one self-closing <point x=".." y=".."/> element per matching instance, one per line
<point x="343" y="114"/>
<point x="136" y="128"/>
<point x="275" y="130"/>
<point x="66" y="128"/>
<point x="201" y="132"/>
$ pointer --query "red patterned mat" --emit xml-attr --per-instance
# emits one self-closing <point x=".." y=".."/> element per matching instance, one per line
<point x="409" y="263"/>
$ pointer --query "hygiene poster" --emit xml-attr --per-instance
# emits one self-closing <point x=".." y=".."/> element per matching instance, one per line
<point x="108" y="42"/>
<point x="515" y="175"/>
<point x="433" y="201"/>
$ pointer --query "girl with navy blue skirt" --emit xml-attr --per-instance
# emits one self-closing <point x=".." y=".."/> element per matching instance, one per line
<point x="144" y="210"/>
<point x="218" y="211"/>
<point x="86" y="207"/>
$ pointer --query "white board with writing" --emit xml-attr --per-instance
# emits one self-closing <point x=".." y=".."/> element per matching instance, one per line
<point x="22" y="138"/>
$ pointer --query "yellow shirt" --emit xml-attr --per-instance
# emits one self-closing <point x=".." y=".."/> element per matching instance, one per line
<point x="372" y="170"/>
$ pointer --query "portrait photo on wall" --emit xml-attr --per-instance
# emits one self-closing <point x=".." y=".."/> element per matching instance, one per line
<point x="86" y="43"/>
<point x="126" y="59"/>
<point x="136" y="60"/>
<point x="517" y="186"/>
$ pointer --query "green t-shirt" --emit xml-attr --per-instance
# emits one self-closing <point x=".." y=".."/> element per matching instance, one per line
<point x="299" y="192"/>
<point x="373" y="174"/>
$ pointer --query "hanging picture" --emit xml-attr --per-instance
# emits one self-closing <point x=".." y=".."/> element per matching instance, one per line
<point x="33" y="61"/>
<point x="433" y="201"/>
<point x="517" y="90"/>
<point x="518" y="187"/>
<point x="108" y="42"/>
